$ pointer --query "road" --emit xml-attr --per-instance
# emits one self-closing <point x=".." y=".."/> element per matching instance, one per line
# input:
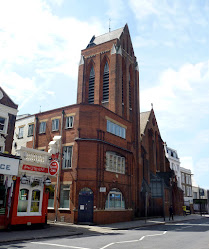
<point x="193" y="234"/>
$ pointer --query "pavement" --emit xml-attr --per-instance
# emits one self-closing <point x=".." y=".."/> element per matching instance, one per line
<point x="62" y="229"/>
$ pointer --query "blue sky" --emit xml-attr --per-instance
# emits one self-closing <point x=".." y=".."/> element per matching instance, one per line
<point x="41" y="41"/>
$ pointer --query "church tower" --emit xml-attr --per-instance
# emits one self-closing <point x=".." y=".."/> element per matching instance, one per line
<point x="108" y="74"/>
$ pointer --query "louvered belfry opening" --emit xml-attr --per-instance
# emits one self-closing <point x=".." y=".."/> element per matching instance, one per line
<point x="129" y="81"/>
<point x="91" y="86"/>
<point x="106" y="83"/>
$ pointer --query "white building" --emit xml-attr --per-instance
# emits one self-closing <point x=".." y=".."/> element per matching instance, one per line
<point x="8" y="112"/>
<point x="186" y="183"/>
<point x="173" y="158"/>
<point x="23" y="134"/>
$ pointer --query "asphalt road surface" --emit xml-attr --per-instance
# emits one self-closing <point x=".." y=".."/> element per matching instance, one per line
<point x="193" y="234"/>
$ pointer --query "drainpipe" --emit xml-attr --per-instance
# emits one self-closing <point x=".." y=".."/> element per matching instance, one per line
<point x="34" y="136"/>
<point x="59" y="170"/>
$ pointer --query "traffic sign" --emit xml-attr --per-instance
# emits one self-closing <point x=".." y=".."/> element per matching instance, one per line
<point x="53" y="167"/>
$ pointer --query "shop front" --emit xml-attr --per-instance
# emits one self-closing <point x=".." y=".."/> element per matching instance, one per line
<point x="31" y="196"/>
<point x="8" y="174"/>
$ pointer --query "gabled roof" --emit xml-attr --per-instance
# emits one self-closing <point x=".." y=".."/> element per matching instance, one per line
<point x="144" y="118"/>
<point x="115" y="34"/>
<point x="7" y="101"/>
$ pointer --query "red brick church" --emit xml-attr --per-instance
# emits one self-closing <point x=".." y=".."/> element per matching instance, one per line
<point x="98" y="139"/>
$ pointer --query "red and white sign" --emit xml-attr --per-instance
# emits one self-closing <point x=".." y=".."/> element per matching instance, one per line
<point x="53" y="167"/>
<point x="34" y="168"/>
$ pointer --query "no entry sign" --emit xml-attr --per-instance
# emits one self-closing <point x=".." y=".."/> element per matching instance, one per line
<point x="53" y="167"/>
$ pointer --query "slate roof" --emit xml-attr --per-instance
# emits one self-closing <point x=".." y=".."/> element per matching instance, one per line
<point x="115" y="34"/>
<point x="144" y="117"/>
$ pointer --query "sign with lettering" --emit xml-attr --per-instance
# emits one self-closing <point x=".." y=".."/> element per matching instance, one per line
<point x="53" y="167"/>
<point x="102" y="189"/>
<point x="34" y="168"/>
<point x="9" y="166"/>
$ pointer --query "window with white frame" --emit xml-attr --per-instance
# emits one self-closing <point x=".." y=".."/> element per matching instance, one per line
<point x="21" y="130"/>
<point x="115" y="163"/>
<point x="35" y="200"/>
<point x="1" y="148"/>
<point x="67" y="157"/>
<point x="115" y="200"/>
<point x="182" y="178"/>
<point x="69" y="122"/>
<point x="30" y="200"/>
<point x="51" y="196"/>
<point x="2" y="123"/>
<point x="55" y="124"/>
<point x="116" y="129"/>
<point x="30" y="129"/>
<point x="42" y="127"/>
<point x="65" y="196"/>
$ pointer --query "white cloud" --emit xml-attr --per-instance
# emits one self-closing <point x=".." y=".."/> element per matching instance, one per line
<point x="56" y="2"/>
<point x="139" y="41"/>
<point x="179" y="95"/>
<point x="144" y="8"/>
<point x="15" y="85"/>
<point x="171" y="21"/>
<point x="32" y="36"/>
<point x="116" y="10"/>
<point x="187" y="163"/>
<point x="201" y="172"/>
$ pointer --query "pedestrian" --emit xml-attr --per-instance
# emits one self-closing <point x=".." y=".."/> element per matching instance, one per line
<point x="170" y="212"/>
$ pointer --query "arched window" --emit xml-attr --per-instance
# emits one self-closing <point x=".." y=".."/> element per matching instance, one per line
<point x="30" y="200"/>
<point x="115" y="200"/>
<point x="106" y="83"/>
<point x="91" y="86"/>
<point x="129" y="82"/>
<point x="122" y="89"/>
<point x="23" y="200"/>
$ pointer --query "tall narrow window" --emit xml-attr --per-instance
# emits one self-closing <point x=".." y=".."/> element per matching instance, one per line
<point x="21" y="129"/>
<point x="30" y="130"/>
<point x="2" y="123"/>
<point x="129" y="82"/>
<point x="65" y="196"/>
<point x="91" y="86"/>
<point x="67" y="157"/>
<point x="106" y="83"/>
<point x="122" y="90"/>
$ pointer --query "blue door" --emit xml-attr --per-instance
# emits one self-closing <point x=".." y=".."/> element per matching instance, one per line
<point x="85" y="206"/>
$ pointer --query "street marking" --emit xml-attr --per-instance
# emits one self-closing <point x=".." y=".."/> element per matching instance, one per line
<point x="65" y="246"/>
<point x="131" y="241"/>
